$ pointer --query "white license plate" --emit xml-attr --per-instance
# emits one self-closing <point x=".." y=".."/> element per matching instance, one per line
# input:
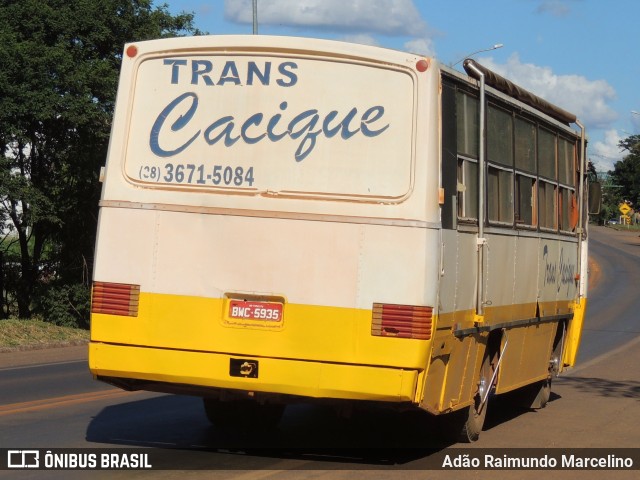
<point x="249" y="310"/>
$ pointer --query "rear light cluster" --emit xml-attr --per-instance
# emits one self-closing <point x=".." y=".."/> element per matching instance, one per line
<point x="115" y="299"/>
<point x="403" y="321"/>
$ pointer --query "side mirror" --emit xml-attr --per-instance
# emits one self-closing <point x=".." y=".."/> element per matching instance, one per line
<point x="595" y="198"/>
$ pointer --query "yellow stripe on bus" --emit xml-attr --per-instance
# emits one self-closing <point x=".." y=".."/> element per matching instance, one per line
<point x="308" y="332"/>
<point x="293" y="377"/>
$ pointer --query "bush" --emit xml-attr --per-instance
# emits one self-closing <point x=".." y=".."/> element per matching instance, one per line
<point x="66" y="305"/>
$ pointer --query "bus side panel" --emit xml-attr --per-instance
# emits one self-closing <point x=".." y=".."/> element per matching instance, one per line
<point x="512" y="295"/>
<point x="448" y="382"/>
<point x="457" y="291"/>
<point x="516" y="282"/>
<point x="526" y="358"/>
<point x="500" y="259"/>
<point x="451" y="378"/>
<point x="574" y="330"/>
<point x="525" y="279"/>
<point x="557" y="283"/>
<point x="574" y="333"/>
<point x="511" y="278"/>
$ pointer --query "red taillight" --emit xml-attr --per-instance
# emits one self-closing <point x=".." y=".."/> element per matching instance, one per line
<point x="403" y="321"/>
<point x="115" y="299"/>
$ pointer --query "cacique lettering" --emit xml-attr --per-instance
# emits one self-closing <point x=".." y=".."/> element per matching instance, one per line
<point x="307" y="126"/>
<point x="560" y="273"/>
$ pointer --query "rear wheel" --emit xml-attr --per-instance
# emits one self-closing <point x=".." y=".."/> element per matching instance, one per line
<point x="245" y="415"/>
<point x="477" y="412"/>
<point x="533" y="396"/>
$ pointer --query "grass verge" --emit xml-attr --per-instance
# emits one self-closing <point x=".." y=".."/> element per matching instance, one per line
<point x="27" y="334"/>
<point x="625" y="228"/>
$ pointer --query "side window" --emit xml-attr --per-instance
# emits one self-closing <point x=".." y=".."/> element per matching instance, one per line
<point x="547" y="205"/>
<point x="525" y="161"/>
<point x="526" y="194"/>
<point x="525" y="145"/>
<point x="500" y="195"/>
<point x="566" y="162"/>
<point x="468" y="131"/>
<point x="547" y="154"/>
<point x="499" y="136"/>
<point x="530" y="167"/>
<point x="567" y="208"/>
<point x="547" y="197"/>
<point x="500" y="167"/>
<point x="467" y="189"/>
<point x="467" y="124"/>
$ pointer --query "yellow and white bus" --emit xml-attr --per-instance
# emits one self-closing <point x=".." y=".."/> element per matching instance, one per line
<point x="293" y="219"/>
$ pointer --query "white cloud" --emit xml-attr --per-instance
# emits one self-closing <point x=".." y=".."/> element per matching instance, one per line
<point x="388" y="17"/>
<point x="587" y="99"/>
<point x="604" y="154"/>
<point x="421" y="46"/>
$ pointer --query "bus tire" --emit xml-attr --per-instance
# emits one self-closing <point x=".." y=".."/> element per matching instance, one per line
<point x="544" y="394"/>
<point x="243" y="415"/>
<point x="534" y="396"/>
<point x="477" y="411"/>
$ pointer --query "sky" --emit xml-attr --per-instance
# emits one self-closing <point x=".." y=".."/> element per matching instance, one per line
<point x="583" y="55"/>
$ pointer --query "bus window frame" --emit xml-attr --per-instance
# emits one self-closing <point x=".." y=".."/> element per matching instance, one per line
<point x="539" y="122"/>
<point x="462" y="195"/>
<point x="534" y="201"/>
<point x="510" y="201"/>
<point x="554" y="215"/>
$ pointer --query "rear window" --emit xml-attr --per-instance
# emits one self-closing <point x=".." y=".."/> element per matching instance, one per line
<point x="253" y="124"/>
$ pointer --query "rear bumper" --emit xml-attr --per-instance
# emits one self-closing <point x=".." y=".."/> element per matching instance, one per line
<point x="199" y="372"/>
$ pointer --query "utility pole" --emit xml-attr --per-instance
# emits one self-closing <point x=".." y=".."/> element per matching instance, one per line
<point x="255" y="17"/>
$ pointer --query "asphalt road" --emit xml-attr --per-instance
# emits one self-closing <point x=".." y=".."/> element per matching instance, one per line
<point x="49" y="400"/>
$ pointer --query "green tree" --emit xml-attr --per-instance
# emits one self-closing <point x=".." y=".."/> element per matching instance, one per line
<point x="59" y="66"/>
<point x="626" y="172"/>
<point x="610" y="197"/>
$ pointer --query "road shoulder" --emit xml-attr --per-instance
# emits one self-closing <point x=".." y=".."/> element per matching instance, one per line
<point x="20" y="358"/>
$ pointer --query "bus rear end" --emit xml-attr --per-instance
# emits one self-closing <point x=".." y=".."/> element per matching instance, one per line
<point x="269" y="224"/>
